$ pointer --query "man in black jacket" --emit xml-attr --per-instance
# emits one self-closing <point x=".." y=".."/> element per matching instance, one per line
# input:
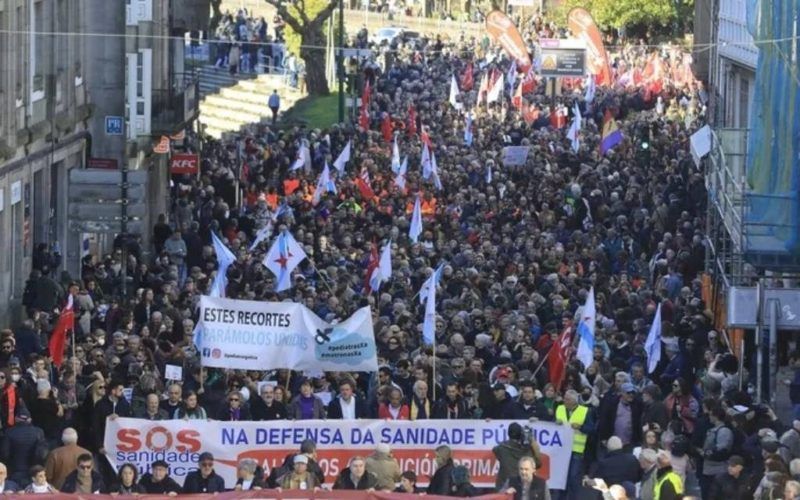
<point x="158" y="481"/>
<point x="23" y="446"/>
<point x="617" y="466"/>
<point x="112" y="405"/>
<point x="84" y="479"/>
<point x="348" y="405"/>
<point x="452" y="406"/>
<point x="503" y="406"/>
<point x="205" y="479"/>
<point x="527" y="486"/>
<point x="356" y="477"/>
<point x="266" y="407"/>
<point x="732" y="484"/>
<point x="625" y="407"/>
<point x="442" y="479"/>
<point x="510" y="452"/>
<point x="526" y="406"/>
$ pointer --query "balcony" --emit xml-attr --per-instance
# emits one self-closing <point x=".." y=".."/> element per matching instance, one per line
<point x="175" y="108"/>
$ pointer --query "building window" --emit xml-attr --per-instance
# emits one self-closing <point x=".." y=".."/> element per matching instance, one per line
<point x="744" y="102"/>
<point x="37" y="50"/>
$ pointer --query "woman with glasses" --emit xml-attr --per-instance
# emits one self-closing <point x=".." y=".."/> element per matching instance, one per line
<point x="127" y="482"/>
<point x="682" y="407"/>
<point x="235" y="410"/>
<point x="191" y="409"/>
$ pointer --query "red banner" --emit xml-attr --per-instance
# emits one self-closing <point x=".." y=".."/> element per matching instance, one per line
<point x="503" y="30"/>
<point x="184" y="164"/>
<point x="262" y="494"/>
<point x="583" y="27"/>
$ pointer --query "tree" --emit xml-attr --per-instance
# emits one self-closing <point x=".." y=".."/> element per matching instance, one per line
<point x="307" y="20"/>
<point x="634" y="13"/>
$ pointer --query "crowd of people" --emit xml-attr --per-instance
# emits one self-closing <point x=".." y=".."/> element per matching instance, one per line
<point x="521" y="247"/>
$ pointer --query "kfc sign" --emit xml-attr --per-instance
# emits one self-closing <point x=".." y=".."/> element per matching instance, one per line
<point x="184" y="164"/>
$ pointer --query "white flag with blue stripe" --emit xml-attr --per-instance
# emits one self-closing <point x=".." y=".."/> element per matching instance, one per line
<point x="586" y="330"/>
<point x="653" y="344"/>
<point x="429" y="323"/>
<point x="416" y="222"/>
<point x="224" y="259"/>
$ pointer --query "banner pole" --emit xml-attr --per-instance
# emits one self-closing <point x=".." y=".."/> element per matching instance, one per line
<point x="434" y="372"/>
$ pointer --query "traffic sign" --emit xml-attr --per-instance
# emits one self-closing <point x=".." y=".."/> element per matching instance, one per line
<point x="114" y="125"/>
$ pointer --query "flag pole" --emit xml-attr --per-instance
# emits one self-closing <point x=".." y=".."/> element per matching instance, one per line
<point x="533" y="375"/>
<point x="434" y="370"/>
<point x="321" y="277"/>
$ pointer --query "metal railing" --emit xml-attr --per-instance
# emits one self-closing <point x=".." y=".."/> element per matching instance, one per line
<point x="174" y="107"/>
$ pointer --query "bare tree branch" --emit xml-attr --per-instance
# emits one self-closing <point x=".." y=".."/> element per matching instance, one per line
<point x="285" y="15"/>
<point x="324" y="13"/>
<point x="301" y="8"/>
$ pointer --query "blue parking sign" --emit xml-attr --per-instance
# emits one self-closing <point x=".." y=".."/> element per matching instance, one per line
<point x="114" y="125"/>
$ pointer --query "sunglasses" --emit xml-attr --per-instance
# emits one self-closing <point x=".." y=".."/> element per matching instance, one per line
<point x="232" y="400"/>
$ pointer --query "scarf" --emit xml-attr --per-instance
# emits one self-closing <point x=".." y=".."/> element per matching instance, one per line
<point x="235" y="413"/>
<point x="419" y="410"/>
<point x="11" y="394"/>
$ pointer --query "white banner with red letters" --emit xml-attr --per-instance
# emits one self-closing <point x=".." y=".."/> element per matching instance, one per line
<point x="180" y="442"/>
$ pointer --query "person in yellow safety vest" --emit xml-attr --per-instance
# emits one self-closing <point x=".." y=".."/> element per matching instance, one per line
<point x="581" y="419"/>
<point x="669" y="485"/>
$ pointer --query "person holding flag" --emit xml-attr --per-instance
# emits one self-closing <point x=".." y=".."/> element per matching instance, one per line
<point x="283" y="257"/>
<point x="585" y="331"/>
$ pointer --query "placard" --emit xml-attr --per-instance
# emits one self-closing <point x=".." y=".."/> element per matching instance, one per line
<point x="173" y="372"/>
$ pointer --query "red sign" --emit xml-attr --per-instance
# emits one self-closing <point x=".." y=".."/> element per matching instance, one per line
<point x="184" y="164"/>
<point x="104" y="163"/>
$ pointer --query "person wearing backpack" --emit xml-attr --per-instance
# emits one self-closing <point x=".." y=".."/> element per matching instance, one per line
<point x="717" y="448"/>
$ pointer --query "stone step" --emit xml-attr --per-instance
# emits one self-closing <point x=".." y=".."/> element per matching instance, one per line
<point x="220" y="123"/>
<point x="226" y="113"/>
<point x="223" y="103"/>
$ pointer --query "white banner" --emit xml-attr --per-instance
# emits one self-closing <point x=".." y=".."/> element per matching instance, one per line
<point x="249" y="335"/>
<point x="180" y="442"/>
<point x="515" y="155"/>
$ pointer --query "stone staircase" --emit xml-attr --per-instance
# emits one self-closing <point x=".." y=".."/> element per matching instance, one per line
<point x="230" y="102"/>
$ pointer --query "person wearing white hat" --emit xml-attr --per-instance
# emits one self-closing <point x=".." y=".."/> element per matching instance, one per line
<point x="299" y="478"/>
<point x="384" y="466"/>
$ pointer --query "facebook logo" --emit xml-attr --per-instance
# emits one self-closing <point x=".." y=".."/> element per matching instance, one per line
<point x="206" y="352"/>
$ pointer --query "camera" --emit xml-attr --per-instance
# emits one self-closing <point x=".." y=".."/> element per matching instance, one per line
<point x="527" y="435"/>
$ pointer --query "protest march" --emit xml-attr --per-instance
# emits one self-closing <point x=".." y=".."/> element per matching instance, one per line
<point x="491" y="283"/>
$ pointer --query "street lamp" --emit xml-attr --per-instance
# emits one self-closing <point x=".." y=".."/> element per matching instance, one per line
<point x="340" y="59"/>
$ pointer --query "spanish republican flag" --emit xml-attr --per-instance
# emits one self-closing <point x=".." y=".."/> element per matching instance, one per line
<point x="612" y="135"/>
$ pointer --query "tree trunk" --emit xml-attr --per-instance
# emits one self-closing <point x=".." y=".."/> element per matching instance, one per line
<point x="313" y="54"/>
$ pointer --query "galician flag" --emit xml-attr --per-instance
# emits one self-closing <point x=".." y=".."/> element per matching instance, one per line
<point x="395" y="157"/>
<point x="454" y="92"/>
<point x="325" y="184"/>
<point x="400" y="180"/>
<point x="431" y="283"/>
<point x="586" y="330"/>
<point x="652" y="345"/>
<point x="343" y="158"/>
<point x="416" y="222"/>
<point x="284" y="256"/>
<point x="429" y="324"/>
<point x="224" y="259"/>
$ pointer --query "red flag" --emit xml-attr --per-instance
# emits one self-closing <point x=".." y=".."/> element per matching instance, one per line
<point x="530" y="113"/>
<point x="467" y="79"/>
<point x="58" y="339"/>
<point x="371" y="266"/>
<point x="366" y="94"/>
<point x="363" y="184"/>
<point x="387" y="129"/>
<point x="425" y="138"/>
<point x="363" y="119"/>
<point x="557" y="118"/>
<point x="516" y="101"/>
<point x="529" y="82"/>
<point x="557" y="359"/>
<point x="412" y="122"/>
